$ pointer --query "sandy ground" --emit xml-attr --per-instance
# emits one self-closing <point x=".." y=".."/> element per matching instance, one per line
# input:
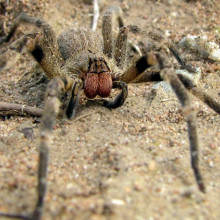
<point x="129" y="163"/>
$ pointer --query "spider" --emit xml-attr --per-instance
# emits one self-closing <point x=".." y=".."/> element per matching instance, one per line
<point x="79" y="59"/>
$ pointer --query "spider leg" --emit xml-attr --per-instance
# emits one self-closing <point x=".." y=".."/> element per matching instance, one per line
<point x="141" y="71"/>
<point x="137" y="71"/>
<point x="45" y="55"/>
<point x="149" y="75"/>
<point x="162" y="40"/>
<point x="43" y="46"/>
<point x="144" y="62"/>
<point x="168" y="74"/>
<point x="45" y="50"/>
<point x="38" y="22"/>
<point x="154" y="76"/>
<point x="121" y="47"/>
<point x="52" y="104"/>
<point x="111" y="14"/>
<point x="204" y="97"/>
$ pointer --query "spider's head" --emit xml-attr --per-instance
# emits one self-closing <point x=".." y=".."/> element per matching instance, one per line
<point x="98" y="79"/>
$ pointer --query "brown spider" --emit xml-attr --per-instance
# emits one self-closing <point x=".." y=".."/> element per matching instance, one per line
<point x="79" y="59"/>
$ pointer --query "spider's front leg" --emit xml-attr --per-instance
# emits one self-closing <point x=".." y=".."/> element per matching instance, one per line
<point x="167" y="73"/>
<point x="52" y="104"/>
<point x="42" y="45"/>
<point x="55" y="88"/>
<point x="44" y="48"/>
<point x="180" y="84"/>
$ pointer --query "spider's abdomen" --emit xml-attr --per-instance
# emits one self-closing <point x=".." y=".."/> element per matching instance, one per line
<point x="77" y="40"/>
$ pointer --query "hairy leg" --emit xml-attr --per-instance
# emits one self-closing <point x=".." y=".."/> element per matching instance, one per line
<point x="168" y="74"/>
<point x="136" y="69"/>
<point x="43" y="46"/>
<point x="154" y="76"/>
<point x="200" y="94"/>
<point x="121" y="47"/>
<point x="52" y="104"/>
<point x="111" y="15"/>
<point x="141" y="71"/>
<point x="161" y="40"/>
<point x="179" y="84"/>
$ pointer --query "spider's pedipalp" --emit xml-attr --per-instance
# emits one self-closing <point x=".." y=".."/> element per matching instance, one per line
<point x="74" y="100"/>
<point x="120" y="98"/>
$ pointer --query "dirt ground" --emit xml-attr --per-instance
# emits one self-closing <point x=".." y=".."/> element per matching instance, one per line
<point x="128" y="163"/>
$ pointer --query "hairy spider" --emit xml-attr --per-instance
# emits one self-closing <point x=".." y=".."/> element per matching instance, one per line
<point x="79" y="59"/>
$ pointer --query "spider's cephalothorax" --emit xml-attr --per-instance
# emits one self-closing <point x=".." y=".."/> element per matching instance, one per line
<point x="78" y="59"/>
<point x="83" y="52"/>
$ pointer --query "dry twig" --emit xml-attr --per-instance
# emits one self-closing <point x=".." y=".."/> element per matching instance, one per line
<point x="7" y="108"/>
<point x="95" y="15"/>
